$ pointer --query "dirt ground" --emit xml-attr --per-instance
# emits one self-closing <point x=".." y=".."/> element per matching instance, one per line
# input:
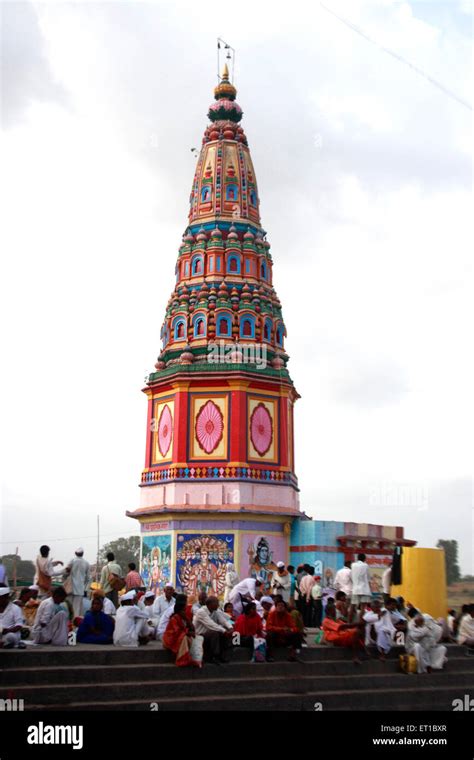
<point x="460" y="593"/>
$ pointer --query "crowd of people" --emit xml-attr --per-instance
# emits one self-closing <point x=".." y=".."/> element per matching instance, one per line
<point x="122" y="612"/>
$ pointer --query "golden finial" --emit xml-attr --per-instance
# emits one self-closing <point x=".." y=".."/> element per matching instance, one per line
<point x="225" y="72"/>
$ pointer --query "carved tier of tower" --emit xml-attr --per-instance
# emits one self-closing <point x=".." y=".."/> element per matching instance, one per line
<point x="220" y="401"/>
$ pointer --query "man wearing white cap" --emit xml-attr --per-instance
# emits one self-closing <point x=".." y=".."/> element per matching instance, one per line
<point x="164" y="601"/>
<point x="78" y="572"/>
<point x="146" y="605"/>
<point x="129" y="621"/>
<point x="244" y="591"/>
<point x="281" y="582"/>
<point x="11" y="621"/>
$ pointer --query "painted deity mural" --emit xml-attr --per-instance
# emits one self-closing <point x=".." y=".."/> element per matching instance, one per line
<point x="259" y="555"/>
<point x="156" y="562"/>
<point x="201" y="562"/>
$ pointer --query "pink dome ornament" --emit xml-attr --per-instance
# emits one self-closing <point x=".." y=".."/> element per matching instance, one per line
<point x="165" y="431"/>
<point x="261" y="429"/>
<point x="209" y="427"/>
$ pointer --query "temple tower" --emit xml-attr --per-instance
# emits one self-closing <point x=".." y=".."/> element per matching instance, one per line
<point x="218" y="483"/>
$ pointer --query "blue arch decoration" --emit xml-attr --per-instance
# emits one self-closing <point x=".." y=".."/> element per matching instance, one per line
<point x="179" y="328"/>
<point x="232" y="192"/>
<point x="247" y="326"/>
<point x="253" y="197"/>
<point x="279" y="333"/>
<point x="197" y="265"/>
<point x="199" y="319"/>
<point x="223" y="326"/>
<point x="206" y="194"/>
<point x="233" y="264"/>
<point x="267" y="329"/>
<point x="263" y="270"/>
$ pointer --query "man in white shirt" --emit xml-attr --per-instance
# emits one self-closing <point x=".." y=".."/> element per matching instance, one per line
<point x="361" y="593"/>
<point x="11" y="621"/>
<point x="45" y="571"/>
<point x="422" y="641"/>
<point x="129" y="622"/>
<point x="201" y="602"/>
<point x="211" y="623"/>
<point x="466" y="629"/>
<point x="146" y="605"/>
<point x="245" y="590"/>
<point x="342" y="580"/>
<point x="387" y="583"/>
<point x="164" y="601"/>
<point x="378" y="621"/>
<point x="78" y="571"/>
<point x="51" y="621"/>
<point x="281" y="582"/>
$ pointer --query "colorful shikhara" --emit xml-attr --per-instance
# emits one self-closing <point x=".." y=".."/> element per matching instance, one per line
<point x="220" y="415"/>
<point x="224" y="281"/>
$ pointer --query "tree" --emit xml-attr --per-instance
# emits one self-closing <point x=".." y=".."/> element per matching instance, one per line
<point x="453" y="573"/>
<point x="25" y="569"/>
<point x="125" y="549"/>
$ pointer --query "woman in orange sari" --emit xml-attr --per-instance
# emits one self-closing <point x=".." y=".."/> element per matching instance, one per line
<point x="342" y="634"/>
<point x="180" y="638"/>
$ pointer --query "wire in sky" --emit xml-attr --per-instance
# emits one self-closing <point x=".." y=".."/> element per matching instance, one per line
<point x="399" y="58"/>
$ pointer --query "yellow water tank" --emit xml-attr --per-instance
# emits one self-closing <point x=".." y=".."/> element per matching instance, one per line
<point x="424" y="580"/>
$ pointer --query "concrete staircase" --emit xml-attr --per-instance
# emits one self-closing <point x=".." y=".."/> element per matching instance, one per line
<point x="109" y="678"/>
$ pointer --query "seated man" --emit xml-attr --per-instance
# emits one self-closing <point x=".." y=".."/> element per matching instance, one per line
<point x="399" y="621"/>
<point x="96" y="626"/>
<point x="282" y="631"/>
<point x="229" y="611"/>
<point x="342" y="634"/>
<point x="11" y="621"/>
<point x="267" y="604"/>
<point x="201" y="602"/>
<point x="248" y="625"/>
<point x="342" y="607"/>
<point x="466" y="629"/>
<point x="108" y="606"/>
<point x="422" y="641"/>
<point x="129" y="623"/>
<point x="211" y="623"/>
<point x="146" y="603"/>
<point x="379" y="629"/>
<point x="51" y="622"/>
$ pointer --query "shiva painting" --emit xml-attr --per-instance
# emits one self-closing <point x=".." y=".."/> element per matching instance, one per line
<point x="156" y="562"/>
<point x="260" y="554"/>
<point x="201" y="563"/>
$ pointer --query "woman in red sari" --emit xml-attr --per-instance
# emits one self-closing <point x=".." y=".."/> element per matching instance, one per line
<point x="180" y="638"/>
<point x="342" y="634"/>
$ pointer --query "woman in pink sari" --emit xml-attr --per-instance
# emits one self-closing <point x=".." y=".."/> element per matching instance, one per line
<point x="180" y="637"/>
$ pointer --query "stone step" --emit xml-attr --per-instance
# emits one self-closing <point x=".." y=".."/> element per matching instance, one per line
<point x="428" y="698"/>
<point x="204" y="683"/>
<point x="154" y="653"/>
<point x="91" y="674"/>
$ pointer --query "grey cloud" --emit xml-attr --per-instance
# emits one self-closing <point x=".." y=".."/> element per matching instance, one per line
<point x="25" y="72"/>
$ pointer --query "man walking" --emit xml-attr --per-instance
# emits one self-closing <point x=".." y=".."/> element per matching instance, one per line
<point x="78" y="572"/>
<point x="361" y="593"/>
<point x="111" y="574"/>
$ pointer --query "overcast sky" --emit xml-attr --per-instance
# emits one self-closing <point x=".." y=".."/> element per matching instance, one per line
<point x="364" y="173"/>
